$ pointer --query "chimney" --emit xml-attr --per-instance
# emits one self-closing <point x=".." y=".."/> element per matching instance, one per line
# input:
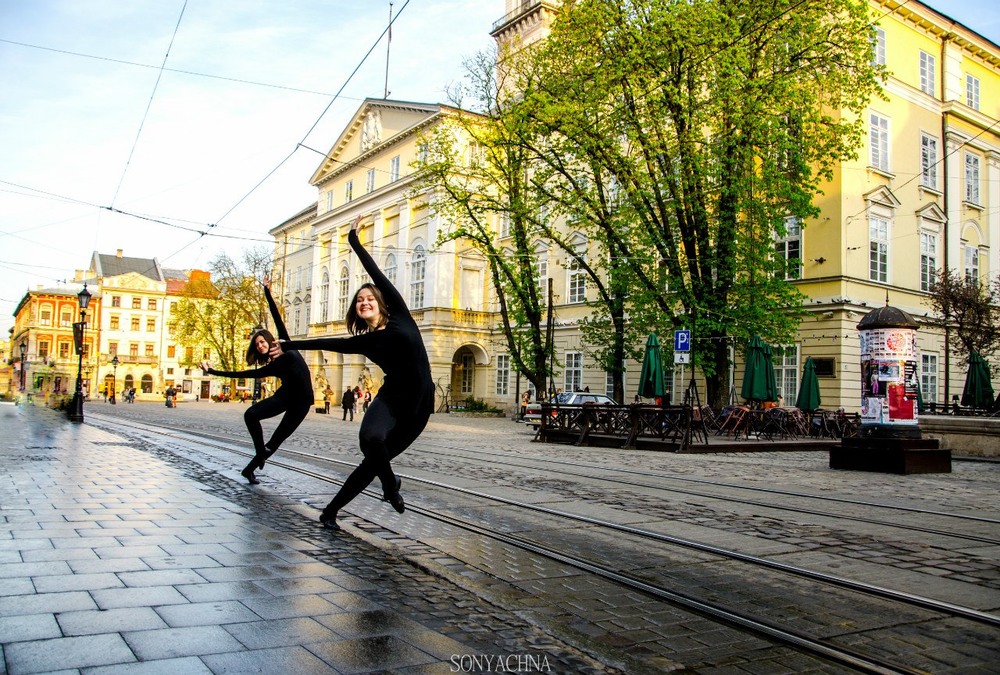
<point x="118" y="253"/>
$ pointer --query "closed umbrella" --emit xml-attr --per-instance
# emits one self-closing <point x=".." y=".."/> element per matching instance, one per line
<point x="759" y="383"/>
<point x="651" y="382"/>
<point x="978" y="392"/>
<point x="808" y="398"/>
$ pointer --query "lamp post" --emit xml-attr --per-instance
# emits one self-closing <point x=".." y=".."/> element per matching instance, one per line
<point x="114" y="379"/>
<point x="76" y="408"/>
<point x="24" y="355"/>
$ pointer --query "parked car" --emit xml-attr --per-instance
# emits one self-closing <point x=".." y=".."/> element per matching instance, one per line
<point x="533" y="413"/>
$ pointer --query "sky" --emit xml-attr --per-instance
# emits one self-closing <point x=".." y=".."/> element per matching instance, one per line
<point x="180" y="129"/>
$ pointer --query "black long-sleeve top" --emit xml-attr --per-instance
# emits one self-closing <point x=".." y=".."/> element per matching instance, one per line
<point x="290" y="367"/>
<point x="397" y="348"/>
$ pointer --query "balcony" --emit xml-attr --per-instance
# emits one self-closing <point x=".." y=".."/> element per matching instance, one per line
<point x="526" y="7"/>
<point x="127" y="360"/>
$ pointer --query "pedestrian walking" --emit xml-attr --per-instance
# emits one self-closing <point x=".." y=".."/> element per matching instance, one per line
<point x="327" y="399"/>
<point x="383" y="330"/>
<point x="347" y="403"/>
<point x="367" y="401"/>
<point x="169" y="395"/>
<point x="357" y="398"/>
<point x="293" y="398"/>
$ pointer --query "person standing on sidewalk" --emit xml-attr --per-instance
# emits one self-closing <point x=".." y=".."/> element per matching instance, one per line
<point x="382" y="330"/>
<point x="347" y="403"/>
<point x="293" y="398"/>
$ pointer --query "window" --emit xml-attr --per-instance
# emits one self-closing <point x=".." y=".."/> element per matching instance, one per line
<point x="971" y="263"/>
<point x="927" y="70"/>
<point x="298" y="278"/>
<point x="389" y="268"/>
<point x="576" y="283"/>
<point x="189" y="354"/>
<point x="136" y="303"/>
<point x="417" y="272"/>
<point x="297" y="323"/>
<point x="878" y="139"/>
<point x="972" y="178"/>
<point x="149" y="349"/>
<point x="348" y="190"/>
<point x="171" y="351"/>
<point x="928" y="260"/>
<point x="309" y="277"/>
<point x="170" y="371"/>
<point x="504" y="224"/>
<point x="928" y="161"/>
<point x="173" y="308"/>
<point x="308" y="312"/>
<point x="542" y="266"/>
<point x="928" y="377"/>
<point x="133" y="349"/>
<point x="66" y="318"/>
<point x="423" y="152"/>
<point x="370" y="181"/>
<point x="135" y="323"/>
<point x="878" y="249"/>
<point x="146" y="384"/>
<point x="972" y="92"/>
<point x="789" y="248"/>
<point x="64" y="350"/>
<point x="45" y="317"/>
<point x="112" y="349"/>
<point x="324" y="297"/>
<point x="150" y="325"/>
<point x="342" y="288"/>
<point x="43" y="349"/>
<point x="573" y="375"/>
<point x="786" y="372"/>
<point x="878" y="48"/>
<point x="503" y="374"/>
<point x="206" y="354"/>
<point x="151" y="304"/>
<point x="394" y="169"/>
<point x="468" y="373"/>
<point x="116" y="301"/>
<point x="476" y="153"/>
<point x="329" y="200"/>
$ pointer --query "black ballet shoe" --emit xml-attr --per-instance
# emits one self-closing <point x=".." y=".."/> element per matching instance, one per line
<point x="248" y="474"/>
<point x="329" y="521"/>
<point x="395" y="498"/>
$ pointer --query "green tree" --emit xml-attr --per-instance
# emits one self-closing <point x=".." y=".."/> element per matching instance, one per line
<point x="220" y="314"/>
<point x="716" y="121"/>
<point x="478" y="176"/>
<point x="970" y="310"/>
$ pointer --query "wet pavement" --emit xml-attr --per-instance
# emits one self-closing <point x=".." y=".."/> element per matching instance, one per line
<point x="124" y="552"/>
<point x="117" y="560"/>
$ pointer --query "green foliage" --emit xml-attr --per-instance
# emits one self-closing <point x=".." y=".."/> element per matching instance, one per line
<point x="972" y="308"/>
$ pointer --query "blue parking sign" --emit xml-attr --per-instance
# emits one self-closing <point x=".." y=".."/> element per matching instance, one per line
<point x="682" y="340"/>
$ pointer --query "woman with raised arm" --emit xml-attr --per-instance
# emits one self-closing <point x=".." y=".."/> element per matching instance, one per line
<point x="293" y="398"/>
<point x="382" y="329"/>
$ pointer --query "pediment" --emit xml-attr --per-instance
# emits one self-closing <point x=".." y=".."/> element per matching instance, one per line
<point x="133" y="281"/>
<point x="932" y="212"/>
<point x="376" y="123"/>
<point x="883" y="197"/>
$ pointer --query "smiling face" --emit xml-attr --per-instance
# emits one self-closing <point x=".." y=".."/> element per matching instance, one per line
<point x="367" y="308"/>
<point x="261" y="344"/>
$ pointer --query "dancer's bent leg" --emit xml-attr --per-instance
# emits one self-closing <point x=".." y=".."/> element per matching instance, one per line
<point x="289" y="423"/>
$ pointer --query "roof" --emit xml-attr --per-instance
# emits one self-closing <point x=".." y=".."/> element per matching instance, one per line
<point x="105" y="265"/>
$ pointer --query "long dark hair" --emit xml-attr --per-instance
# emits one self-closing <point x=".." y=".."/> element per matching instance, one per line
<point x="254" y="357"/>
<point x="356" y="324"/>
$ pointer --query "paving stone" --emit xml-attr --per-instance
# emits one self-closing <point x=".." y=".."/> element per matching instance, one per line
<point x="280" y="632"/>
<point x="206" y="614"/>
<point x="170" y="643"/>
<point x="92" y="622"/>
<point x="187" y="666"/>
<point x="26" y="627"/>
<point x="280" y="660"/>
<point x="42" y="656"/>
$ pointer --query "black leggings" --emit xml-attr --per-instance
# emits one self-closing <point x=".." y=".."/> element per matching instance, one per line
<point x="295" y="411"/>
<point x="384" y="435"/>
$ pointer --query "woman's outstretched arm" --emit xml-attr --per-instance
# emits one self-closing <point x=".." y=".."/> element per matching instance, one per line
<point x="279" y="325"/>
<point x="393" y="299"/>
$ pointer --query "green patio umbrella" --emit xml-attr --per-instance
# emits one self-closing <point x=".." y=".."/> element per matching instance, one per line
<point x="759" y="383"/>
<point x="978" y="392"/>
<point x="651" y="382"/>
<point x="808" y="398"/>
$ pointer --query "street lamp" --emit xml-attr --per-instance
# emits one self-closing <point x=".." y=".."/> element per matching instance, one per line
<point x="24" y="355"/>
<point x="76" y="408"/>
<point x="114" y="379"/>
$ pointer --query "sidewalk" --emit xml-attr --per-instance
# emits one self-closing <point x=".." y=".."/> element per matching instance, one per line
<point x="123" y="559"/>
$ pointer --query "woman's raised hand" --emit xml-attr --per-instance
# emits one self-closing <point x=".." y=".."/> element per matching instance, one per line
<point x="205" y="366"/>
<point x="355" y="224"/>
<point x="266" y="281"/>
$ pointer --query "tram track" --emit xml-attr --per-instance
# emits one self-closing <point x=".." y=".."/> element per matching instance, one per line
<point x="762" y="626"/>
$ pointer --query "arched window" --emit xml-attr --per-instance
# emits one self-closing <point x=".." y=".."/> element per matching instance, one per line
<point x="343" y="285"/>
<point x="418" y="268"/>
<point x="129" y="381"/>
<point x="324" y="297"/>
<point x="146" y="384"/>
<point x="389" y="268"/>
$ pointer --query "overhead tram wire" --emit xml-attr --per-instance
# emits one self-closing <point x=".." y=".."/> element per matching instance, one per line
<point x="149" y="105"/>
<point x="318" y="119"/>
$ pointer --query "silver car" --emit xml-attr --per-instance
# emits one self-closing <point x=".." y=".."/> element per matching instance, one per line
<point x="533" y="412"/>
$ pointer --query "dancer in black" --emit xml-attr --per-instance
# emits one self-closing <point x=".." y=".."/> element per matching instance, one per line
<point x="293" y="398"/>
<point x="383" y="330"/>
